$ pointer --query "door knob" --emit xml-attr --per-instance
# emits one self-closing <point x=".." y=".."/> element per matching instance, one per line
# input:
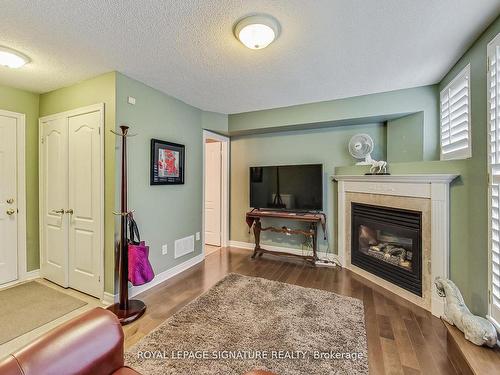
<point x="70" y="211"/>
<point x="10" y="200"/>
<point x="10" y="212"/>
<point x="61" y="211"/>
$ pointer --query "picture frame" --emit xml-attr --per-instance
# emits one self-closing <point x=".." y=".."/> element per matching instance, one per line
<point x="167" y="163"/>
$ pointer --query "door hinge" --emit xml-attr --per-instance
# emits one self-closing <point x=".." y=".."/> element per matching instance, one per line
<point x="41" y="139"/>
<point x="488" y="64"/>
<point x="99" y="130"/>
<point x="99" y="278"/>
<point x="490" y="299"/>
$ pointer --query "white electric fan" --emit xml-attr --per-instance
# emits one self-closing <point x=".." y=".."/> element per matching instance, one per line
<point x="360" y="147"/>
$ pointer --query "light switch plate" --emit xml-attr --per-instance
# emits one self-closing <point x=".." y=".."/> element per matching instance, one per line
<point x="131" y="100"/>
<point x="197" y="236"/>
<point x="164" y="249"/>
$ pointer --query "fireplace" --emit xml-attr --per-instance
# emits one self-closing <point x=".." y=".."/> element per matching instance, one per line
<point x="387" y="242"/>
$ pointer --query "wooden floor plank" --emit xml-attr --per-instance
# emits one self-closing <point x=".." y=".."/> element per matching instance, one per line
<point x="403" y="343"/>
<point x="392" y="360"/>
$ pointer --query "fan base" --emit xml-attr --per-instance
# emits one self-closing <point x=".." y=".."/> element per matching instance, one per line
<point x="377" y="174"/>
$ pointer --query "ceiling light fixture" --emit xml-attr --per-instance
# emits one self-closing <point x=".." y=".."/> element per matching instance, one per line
<point x="257" y="31"/>
<point x="12" y="58"/>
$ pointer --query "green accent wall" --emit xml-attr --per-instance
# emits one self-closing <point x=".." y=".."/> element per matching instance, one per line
<point x="164" y="213"/>
<point x="100" y="89"/>
<point x="26" y="102"/>
<point x="326" y="145"/>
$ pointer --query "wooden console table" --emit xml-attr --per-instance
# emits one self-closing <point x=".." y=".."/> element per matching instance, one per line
<point x="253" y="219"/>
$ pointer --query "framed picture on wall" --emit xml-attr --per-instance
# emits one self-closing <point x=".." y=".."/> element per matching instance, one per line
<point x="167" y="163"/>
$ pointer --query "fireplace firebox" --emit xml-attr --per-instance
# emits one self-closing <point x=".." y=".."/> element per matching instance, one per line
<point x="387" y="242"/>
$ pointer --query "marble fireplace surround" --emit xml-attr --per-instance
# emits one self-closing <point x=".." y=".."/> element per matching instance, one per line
<point x="428" y="194"/>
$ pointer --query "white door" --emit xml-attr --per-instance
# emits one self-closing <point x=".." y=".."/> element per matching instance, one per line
<point x="54" y="200"/>
<point x="213" y="186"/>
<point x="8" y="199"/>
<point x="84" y="212"/>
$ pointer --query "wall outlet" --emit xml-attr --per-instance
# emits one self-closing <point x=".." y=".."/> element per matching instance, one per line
<point x="131" y="100"/>
<point x="164" y="249"/>
<point x="197" y="236"/>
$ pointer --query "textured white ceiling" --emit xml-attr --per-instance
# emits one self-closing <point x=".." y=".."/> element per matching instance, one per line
<point x="328" y="49"/>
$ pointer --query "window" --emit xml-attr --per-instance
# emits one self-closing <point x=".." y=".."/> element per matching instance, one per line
<point x="455" y="118"/>
<point x="494" y="173"/>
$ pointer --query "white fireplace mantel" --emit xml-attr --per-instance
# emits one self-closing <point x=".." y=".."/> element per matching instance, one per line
<point x="429" y="186"/>
<point x="408" y="178"/>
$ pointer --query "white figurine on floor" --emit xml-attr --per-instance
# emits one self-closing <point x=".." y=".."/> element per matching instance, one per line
<point x="476" y="329"/>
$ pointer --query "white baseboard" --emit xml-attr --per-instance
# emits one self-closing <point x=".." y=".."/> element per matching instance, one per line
<point x="109" y="298"/>
<point x="35" y="274"/>
<point x="31" y="275"/>
<point x="437" y="306"/>
<point x="281" y="249"/>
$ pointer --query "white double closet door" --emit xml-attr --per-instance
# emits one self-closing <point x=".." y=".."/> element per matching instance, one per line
<point x="71" y="199"/>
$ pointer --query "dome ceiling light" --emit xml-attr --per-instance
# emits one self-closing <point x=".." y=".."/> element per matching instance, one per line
<point x="12" y="58"/>
<point x="257" y="31"/>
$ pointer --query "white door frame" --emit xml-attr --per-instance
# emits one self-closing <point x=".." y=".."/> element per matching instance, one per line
<point x="22" y="272"/>
<point x="67" y="114"/>
<point x="225" y="189"/>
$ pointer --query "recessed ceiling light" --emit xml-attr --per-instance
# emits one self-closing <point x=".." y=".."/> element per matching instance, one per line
<point x="12" y="58"/>
<point x="258" y="31"/>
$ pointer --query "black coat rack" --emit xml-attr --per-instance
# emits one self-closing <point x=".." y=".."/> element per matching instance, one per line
<point x="126" y="310"/>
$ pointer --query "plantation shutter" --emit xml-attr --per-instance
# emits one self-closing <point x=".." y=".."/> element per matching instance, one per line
<point x="494" y="172"/>
<point x="455" y="118"/>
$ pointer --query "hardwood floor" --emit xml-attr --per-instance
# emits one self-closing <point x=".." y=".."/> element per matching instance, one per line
<point x="209" y="249"/>
<point x="402" y="337"/>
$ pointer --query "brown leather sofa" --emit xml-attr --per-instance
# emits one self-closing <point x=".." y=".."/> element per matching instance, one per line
<point x="91" y="344"/>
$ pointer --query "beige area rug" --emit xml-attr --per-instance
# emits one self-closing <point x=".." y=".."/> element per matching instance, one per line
<point x="31" y="305"/>
<point x="246" y="323"/>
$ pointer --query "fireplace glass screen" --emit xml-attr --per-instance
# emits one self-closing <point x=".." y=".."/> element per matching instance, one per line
<point x="386" y="246"/>
<point x="387" y="242"/>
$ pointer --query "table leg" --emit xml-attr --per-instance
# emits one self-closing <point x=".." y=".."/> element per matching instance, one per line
<point x="314" y="229"/>
<point x="256" y="233"/>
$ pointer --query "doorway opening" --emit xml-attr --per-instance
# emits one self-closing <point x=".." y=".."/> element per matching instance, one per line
<point x="215" y="222"/>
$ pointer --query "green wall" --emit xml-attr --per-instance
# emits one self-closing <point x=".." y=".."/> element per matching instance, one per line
<point x="214" y="121"/>
<point x="26" y="102"/>
<point x="405" y="138"/>
<point x="327" y="146"/>
<point x="164" y="213"/>
<point x="319" y="132"/>
<point x="475" y="259"/>
<point x="100" y="89"/>
<point x="350" y="111"/>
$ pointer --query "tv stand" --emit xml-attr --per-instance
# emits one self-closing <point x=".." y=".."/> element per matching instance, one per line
<point x="253" y="219"/>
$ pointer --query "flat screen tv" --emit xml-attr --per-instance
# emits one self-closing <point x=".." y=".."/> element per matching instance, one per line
<point x="287" y="187"/>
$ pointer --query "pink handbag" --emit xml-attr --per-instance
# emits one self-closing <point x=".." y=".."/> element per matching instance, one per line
<point x="139" y="269"/>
